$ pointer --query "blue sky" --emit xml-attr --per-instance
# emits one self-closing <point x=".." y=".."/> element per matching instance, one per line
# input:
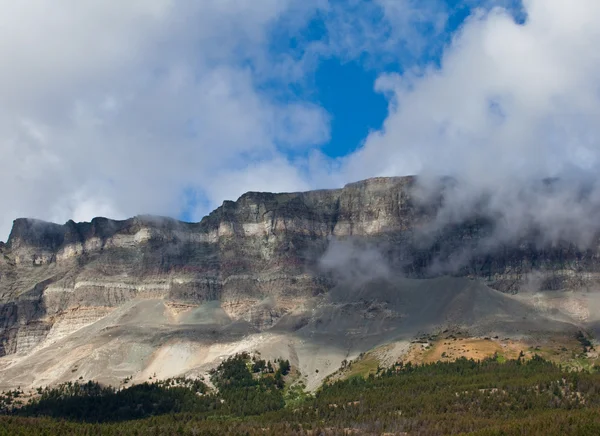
<point x="169" y="108"/>
<point x="345" y="87"/>
<point x="345" y="91"/>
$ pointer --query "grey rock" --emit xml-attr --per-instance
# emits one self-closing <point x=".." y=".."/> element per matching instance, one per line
<point x="258" y="258"/>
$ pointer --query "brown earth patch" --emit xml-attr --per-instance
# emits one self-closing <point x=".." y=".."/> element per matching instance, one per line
<point x="559" y="348"/>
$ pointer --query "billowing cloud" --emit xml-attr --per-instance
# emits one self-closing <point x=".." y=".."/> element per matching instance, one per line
<point x="523" y="97"/>
<point x="510" y="105"/>
<point x="116" y="109"/>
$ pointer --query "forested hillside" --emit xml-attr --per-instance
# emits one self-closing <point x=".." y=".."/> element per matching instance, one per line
<point x="260" y="398"/>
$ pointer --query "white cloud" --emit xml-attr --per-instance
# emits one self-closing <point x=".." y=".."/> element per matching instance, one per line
<point x="115" y="108"/>
<point x="515" y="95"/>
<point x="381" y="31"/>
<point x="276" y="175"/>
<point x="510" y="104"/>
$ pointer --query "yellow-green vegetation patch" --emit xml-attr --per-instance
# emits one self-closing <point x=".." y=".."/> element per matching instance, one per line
<point x="362" y="367"/>
<point x="574" y="352"/>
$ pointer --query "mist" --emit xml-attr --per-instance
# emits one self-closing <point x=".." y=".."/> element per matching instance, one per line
<point x="353" y="262"/>
<point x="510" y="117"/>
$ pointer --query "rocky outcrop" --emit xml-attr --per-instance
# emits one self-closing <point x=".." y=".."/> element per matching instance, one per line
<point x="257" y="257"/>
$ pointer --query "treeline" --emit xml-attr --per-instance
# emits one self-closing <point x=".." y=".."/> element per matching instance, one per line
<point x="92" y="402"/>
<point x="240" y="393"/>
<point x="462" y="397"/>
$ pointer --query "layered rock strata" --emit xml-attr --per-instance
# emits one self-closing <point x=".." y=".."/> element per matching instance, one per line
<point x="258" y="258"/>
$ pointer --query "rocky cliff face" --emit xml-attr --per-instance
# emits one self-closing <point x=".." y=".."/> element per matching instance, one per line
<point x="257" y="257"/>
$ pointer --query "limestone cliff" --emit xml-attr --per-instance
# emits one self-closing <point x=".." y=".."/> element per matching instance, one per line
<point x="258" y="258"/>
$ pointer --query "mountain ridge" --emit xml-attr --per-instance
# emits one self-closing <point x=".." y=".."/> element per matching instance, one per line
<point x="275" y="265"/>
<point x="24" y="223"/>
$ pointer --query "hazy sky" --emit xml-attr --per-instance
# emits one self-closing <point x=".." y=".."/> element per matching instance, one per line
<point x="112" y="108"/>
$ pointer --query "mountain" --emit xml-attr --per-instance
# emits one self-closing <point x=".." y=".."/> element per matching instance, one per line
<point x="317" y="277"/>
